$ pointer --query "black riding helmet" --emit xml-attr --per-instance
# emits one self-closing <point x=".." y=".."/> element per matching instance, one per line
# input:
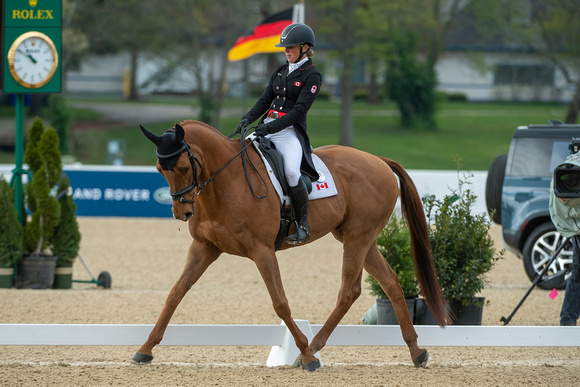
<point x="296" y="34"/>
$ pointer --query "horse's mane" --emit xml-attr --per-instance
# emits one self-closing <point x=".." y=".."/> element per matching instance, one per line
<point x="168" y="144"/>
<point x="194" y="123"/>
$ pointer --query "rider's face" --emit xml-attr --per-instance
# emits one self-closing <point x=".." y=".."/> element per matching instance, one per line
<point x="293" y="52"/>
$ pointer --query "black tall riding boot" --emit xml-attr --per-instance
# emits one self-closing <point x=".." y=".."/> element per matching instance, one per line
<point x="299" y="196"/>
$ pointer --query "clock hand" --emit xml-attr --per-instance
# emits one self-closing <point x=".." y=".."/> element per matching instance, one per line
<point x="29" y="56"/>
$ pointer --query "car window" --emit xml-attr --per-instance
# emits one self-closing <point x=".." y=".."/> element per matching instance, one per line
<point x="534" y="157"/>
<point x="559" y="153"/>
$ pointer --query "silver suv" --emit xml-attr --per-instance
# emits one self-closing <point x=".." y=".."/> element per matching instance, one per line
<point x="518" y="189"/>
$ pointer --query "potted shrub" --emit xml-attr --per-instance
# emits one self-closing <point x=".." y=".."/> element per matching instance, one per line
<point x="395" y="245"/>
<point x="10" y="235"/>
<point x="37" y="268"/>
<point x="463" y="253"/>
<point x="67" y="237"/>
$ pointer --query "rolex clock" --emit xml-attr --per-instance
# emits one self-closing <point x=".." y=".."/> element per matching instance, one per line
<point x="32" y="59"/>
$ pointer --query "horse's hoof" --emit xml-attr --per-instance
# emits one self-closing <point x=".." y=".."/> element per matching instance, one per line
<point x="422" y="359"/>
<point x="142" y="358"/>
<point x="314" y="365"/>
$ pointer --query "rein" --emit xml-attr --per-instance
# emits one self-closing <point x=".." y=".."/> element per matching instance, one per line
<point x="244" y="157"/>
<point x="195" y="186"/>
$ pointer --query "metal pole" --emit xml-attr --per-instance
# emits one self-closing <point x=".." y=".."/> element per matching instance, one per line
<point x="246" y="87"/>
<point x="87" y="267"/>
<point x="19" y="159"/>
<point x="298" y="14"/>
<point x="537" y="280"/>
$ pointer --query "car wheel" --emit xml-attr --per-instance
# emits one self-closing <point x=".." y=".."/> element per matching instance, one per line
<point x="494" y="186"/>
<point x="540" y="248"/>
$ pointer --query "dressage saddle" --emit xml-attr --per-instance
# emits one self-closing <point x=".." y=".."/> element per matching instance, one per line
<point x="276" y="161"/>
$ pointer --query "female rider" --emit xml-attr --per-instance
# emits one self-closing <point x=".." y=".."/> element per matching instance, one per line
<point x="283" y="105"/>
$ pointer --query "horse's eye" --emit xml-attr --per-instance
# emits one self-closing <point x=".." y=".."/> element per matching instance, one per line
<point x="185" y="170"/>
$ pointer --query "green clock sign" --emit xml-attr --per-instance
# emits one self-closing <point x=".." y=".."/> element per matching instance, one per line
<point x="32" y="43"/>
<point x="31" y="49"/>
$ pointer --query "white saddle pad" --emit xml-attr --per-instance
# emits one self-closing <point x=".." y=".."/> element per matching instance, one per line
<point x="324" y="187"/>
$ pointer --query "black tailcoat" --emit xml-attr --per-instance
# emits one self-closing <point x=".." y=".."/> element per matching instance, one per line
<point x="292" y="94"/>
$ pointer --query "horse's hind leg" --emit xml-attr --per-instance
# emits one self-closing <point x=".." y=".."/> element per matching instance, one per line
<point x="199" y="257"/>
<point x="378" y="268"/>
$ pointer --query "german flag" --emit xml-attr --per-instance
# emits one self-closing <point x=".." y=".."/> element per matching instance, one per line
<point x="262" y="37"/>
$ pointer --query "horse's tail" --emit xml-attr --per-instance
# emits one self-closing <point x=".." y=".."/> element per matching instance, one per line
<point x="412" y="210"/>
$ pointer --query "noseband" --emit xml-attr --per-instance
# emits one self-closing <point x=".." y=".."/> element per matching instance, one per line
<point x="178" y="196"/>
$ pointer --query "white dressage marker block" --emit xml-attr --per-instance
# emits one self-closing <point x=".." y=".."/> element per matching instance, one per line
<point x="287" y="352"/>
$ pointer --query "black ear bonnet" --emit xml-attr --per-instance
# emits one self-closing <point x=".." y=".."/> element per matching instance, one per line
<point x="169" y="148"/>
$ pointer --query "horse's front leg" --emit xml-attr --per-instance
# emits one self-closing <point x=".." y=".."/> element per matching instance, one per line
<point x="270" y="272"/>
<point x="199" y="257"/>
<point x="350" y="290"/>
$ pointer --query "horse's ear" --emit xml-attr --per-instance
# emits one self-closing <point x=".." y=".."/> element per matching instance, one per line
<point x="179" y="133"/>
<point x="151" y="136"/>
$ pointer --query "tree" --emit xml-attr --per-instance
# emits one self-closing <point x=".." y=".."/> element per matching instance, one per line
<point x="43" y="159"/>
<point x="397" y="33"/>
<point x="411" y="83"/>
<point x="61" y="118"/>
<point x="559" y="28"/>
<point x="10" y="228"/>
<point x="549" y="28"/>
<point x="200" y="46"/>
<point x="417" y="32"/>
<point x="74" y="38"/>
<point x="372" y="44"/>
<point x="113" y="26"/>
<point x="67" y="237"/>
<point x="203" y="40"/>
<point x="339" y="25"/>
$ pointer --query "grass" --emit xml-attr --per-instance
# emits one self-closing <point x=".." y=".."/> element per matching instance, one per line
<point x="474" y="132"/>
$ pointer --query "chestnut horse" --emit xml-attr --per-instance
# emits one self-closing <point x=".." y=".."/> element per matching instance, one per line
<point x="214" y="192"/>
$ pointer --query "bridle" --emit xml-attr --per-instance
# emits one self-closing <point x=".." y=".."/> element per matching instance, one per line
<point x="178" y="196"/>
<point x="194" y="162"/>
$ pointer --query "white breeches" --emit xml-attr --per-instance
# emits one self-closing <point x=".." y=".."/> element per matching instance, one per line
<point x="287" y="143"/>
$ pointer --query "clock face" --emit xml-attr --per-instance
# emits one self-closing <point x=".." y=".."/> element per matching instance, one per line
<point x="32" y="59"/>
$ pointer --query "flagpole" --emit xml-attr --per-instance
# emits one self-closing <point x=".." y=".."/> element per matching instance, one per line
<point x="246" y="90"/>
<point x="298" y="14"/>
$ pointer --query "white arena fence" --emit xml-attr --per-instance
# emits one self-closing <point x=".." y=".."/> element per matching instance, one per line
<point x="284" y="351"/>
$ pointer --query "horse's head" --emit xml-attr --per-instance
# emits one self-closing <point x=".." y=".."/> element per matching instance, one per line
<point x="178" y="165"/>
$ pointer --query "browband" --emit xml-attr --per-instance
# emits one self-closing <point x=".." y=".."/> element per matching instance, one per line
<point x="177" y="152"/>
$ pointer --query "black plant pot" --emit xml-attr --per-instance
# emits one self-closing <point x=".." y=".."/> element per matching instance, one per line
<point x="386" y="312"/>
<point x="462" y="315"/>
<point x="36" y="272"/>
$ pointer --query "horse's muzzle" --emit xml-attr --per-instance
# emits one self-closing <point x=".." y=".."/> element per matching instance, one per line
<point x="183" y="216"/>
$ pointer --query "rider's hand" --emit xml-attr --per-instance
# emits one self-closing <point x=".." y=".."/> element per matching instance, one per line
<point x="262" y="130"/>
<point x="243" y="124"/>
